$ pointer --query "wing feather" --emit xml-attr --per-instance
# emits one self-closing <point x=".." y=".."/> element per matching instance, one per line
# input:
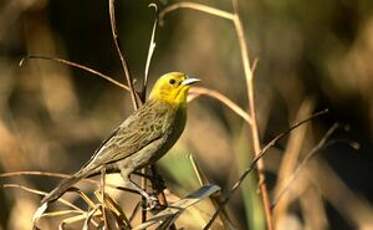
<point x="149" y="123"/>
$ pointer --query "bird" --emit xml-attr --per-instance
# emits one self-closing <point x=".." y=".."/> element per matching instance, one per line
<point x="140" y="140"/>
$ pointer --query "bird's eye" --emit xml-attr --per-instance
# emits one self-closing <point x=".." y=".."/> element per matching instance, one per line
<point x="172" y="81"/>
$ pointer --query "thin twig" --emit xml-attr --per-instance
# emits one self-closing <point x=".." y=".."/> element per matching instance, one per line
<point x="202" y="180"/>
<point x="117" y="210"/>
<point x="134" y="212"/>
<point x="102" y="189"/>
<point x="39" y="173"/>
<point x="252" y="165"/>
<point x="72" y="220"/>
<point x="121" y="54"/>
<point x="151" y="50"/>
<point x="195" y="6"/>
<point x="89" y="216"/>
<point x="38" y="192"/>
<point x="86" y="199"/>
<point x="309" y="156"/>
<point x="144" y="186"/>
<point x="254" y="65"/>
<point x="60" y="175"/>
<point x="199" y="91"/>
<point x="61" y="213"/>
<point x="76" y="65"/>
<point x="254" y="126"/>
<point x="290" y="156"/>
<point x="215" y="198"/>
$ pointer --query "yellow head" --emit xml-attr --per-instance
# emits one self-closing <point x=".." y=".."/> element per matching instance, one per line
<point x="172" y="88"/>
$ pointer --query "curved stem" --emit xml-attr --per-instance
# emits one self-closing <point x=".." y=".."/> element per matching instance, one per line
<point x="254" y="126"/>
<point x="75" y="65"/>
<point x="199" y="91"/>
<point x="121" y="55"/>
<point x="195" y="6"/>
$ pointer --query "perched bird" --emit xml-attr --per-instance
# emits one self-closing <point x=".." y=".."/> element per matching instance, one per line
<point x="143" y="138"/>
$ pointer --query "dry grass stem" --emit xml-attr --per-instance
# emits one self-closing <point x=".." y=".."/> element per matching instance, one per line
<point x="135" y="211"/>
<point x="202" y="179"/>
<point x="102" y="190"/>
<point x="195" y="6"/>
<point x="86" y="199"/>
<point x="48" y="174"/>
<point x="89" y="216"/>
<point x="215" y="198"/>
<point x="295" y="143"/>
<point x="199" y="91"/>
<point x="38" y="192"/>
<point x="254" y="126"/>
<point x="36" y="173"/>
<point x="60" y="213"/>
<point x="117" y="210"/>
<point x="72" y="220"/>
<point x="121" y="54"/>
<point x="144" y="185"/>
<point x="76" y="65"/>
<point x="322" y="143"/>
<point x="152" y="45"/>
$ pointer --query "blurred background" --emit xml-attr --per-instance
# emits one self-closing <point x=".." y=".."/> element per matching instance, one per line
<point x="312" y="55"/>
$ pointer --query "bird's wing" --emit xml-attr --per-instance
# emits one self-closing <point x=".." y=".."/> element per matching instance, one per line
<point x="151" y="122"/>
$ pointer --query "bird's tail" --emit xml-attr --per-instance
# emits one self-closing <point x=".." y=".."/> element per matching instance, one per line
<point x="64" y="185"/>
<point x="55" y="194"/>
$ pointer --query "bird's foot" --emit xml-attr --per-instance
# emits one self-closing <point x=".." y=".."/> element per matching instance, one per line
<point x="151" y="202"/>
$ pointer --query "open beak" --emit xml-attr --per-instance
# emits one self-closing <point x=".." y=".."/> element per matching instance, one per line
<point x="190" y="81"/>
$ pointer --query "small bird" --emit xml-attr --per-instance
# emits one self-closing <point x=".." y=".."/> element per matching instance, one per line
<point x="142" y="139"/>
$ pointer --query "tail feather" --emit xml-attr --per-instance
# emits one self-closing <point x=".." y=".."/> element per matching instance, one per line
<point x="65" y="185"/>
<point x="56" y="193"/>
